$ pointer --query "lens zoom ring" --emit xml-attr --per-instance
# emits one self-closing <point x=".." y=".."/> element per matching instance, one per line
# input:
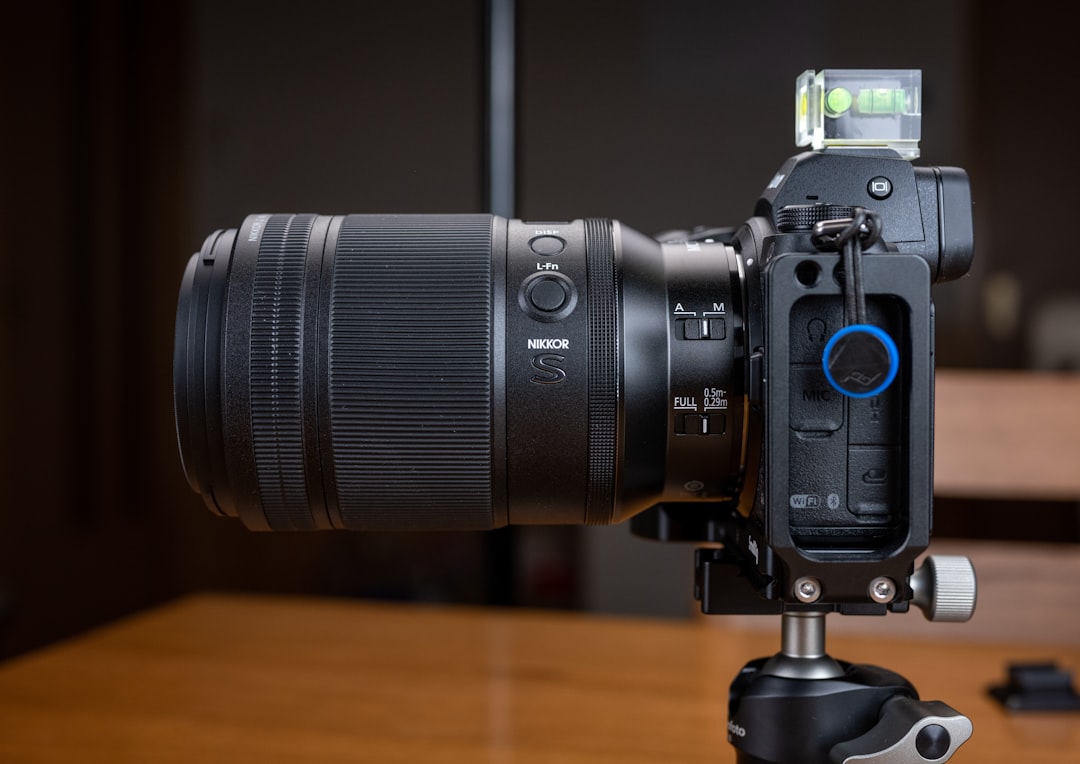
<point x="275" y="375"/>
<point x="410" y="372"/>
<point x="603" y="370"/>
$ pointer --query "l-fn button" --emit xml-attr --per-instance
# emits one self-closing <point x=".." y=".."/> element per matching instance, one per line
<point x="547" y="296"/>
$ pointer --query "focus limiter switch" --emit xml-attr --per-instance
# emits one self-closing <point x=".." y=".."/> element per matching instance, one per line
<point x="712" y="423"/>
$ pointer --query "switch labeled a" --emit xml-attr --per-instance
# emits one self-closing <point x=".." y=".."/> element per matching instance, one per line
<point x="701" y="329"/>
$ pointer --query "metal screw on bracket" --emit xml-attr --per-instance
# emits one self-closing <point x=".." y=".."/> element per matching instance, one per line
<point x="882" y="590"/>
<point x="807" y="589"/>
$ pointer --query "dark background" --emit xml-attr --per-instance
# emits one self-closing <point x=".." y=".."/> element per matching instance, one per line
<point x="130" y="130"/>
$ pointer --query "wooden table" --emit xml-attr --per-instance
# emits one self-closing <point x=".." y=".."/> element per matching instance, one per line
<point x="218" y="678"/>
<point x="1009" y="435"/>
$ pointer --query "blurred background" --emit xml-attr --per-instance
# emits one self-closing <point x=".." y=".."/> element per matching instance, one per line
<point x="130" y="130"/>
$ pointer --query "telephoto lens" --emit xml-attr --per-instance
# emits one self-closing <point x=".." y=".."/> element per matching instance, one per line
<point x="457" y="372"/>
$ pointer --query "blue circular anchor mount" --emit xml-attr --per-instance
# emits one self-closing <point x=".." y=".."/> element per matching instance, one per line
<point x="860" y="360"/>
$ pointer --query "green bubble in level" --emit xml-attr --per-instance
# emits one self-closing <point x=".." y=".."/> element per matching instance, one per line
<point x="837" y="101"/>
<point x="881" y="101"/>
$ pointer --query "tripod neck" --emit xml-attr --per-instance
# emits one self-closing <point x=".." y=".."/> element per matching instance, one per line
<point x="802" y="707"/>
<point x="802" y="649"/>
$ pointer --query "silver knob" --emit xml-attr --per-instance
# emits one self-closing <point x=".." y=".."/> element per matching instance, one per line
<point x="945" y="588"/>
<point x="908" y="731"/>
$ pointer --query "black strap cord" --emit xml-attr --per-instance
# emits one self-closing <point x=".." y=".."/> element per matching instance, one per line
<point x="850" y="236"/>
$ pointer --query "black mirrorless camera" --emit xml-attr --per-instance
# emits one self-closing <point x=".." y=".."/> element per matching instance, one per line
<point x="766" y="390"/>
<point x="769" y="386"/>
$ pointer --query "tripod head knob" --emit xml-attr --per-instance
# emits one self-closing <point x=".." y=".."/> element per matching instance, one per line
<point x="944" y="588"/>
<point x="909" y="732"/>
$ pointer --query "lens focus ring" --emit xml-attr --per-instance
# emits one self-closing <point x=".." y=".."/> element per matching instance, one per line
<point x="603" y="370"/>
<point x="277" y="308"/>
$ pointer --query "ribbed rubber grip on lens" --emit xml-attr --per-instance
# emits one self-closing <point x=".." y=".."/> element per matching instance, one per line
<point x="410" y="372"/>
<point x="275" y="376"/>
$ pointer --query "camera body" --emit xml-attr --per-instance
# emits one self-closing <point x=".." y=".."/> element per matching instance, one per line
<point x="766" y="390"/>
<point x="837" y="504"/>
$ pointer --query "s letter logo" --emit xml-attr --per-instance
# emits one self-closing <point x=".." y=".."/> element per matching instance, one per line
<point x="548" y="370"/>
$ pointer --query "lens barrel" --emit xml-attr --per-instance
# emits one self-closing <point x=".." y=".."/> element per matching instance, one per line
<point x="423" y="372"/>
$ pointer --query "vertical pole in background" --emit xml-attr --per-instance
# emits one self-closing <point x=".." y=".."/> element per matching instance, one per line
<point x="501" y="73"/>
<point x="499" y="178"/>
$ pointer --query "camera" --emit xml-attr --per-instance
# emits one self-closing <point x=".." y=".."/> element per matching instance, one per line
<point x="765" y="389"/>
